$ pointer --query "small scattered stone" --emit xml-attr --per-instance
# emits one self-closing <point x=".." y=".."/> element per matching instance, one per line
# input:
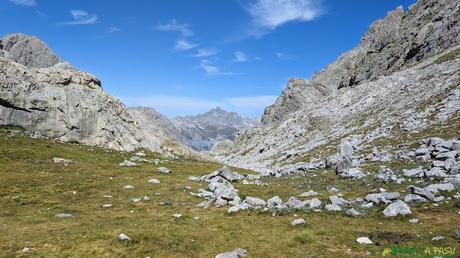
<point x="124" y="237"/>
<point x="62" y="161"/>
<point x="333" y="207"/>
<point x="140" y="154"/>
<point x="128" y="187"/>
<point x="437" y="238"/>
<point x="26" y="250"/>
<point x="105" y="206"/>
<point x="353" y="213"/>
<point x="177" y="215"/>
<point x="414" y="221"/>
<point x="127" y="163"/>
<point x="63" y="215"/>
<point x="233" y="254"/>
<point x="136" y="200"/>
<point x="297" y="222"/>
<point x="397" y="208"/>
<point x="164" y="170"/>
<point x="364" y="241"/>
<point x="154" y="181"/>
<point x="308" y="194"/>
<point x="457" y="234"/>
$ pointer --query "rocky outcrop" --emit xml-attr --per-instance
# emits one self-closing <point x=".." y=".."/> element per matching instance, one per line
<point x="392" y="44"/>
<point x="372" y="110"/>
<point x="419" y="90"/>
<point x="54" y="100"/>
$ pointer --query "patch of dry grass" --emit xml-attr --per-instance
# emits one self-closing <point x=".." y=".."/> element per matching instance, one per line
<point x="33" y="190"/>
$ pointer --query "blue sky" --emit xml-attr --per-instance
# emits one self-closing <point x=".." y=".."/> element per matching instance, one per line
<point x="185" y="57"/>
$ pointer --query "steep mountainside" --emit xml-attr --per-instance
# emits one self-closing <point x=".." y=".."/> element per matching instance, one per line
<point x="202" y="131"/>
<point x="52" y="99"/>
<point x="402" y="79"/>
<point x="392" y="44"/>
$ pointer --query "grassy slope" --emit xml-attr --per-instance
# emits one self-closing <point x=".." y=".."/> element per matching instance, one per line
<point x="33" y="190"/>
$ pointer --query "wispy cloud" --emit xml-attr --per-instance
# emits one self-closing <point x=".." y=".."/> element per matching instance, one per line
<point x="113" y="29"/>
<point x="240" y="57"/>
<point x="81" y="17"/>
<point x="206" y="52"/>
<point x="41" y="14"/>
<point x="28" y="3"/>
<point x="212" y="70"/>
<point x="184" y="105"/>
<point x="173" y="25"/>
<point x="182" y="45"/>
<point x="283" y="56"/>
<point x="267" y="15"/>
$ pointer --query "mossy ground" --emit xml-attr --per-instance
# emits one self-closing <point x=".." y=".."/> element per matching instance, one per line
<point x="33" y="190"/>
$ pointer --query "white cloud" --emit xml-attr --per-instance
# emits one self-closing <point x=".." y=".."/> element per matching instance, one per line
<point x="283" y="56"/>
<point x="183" y="105"/>
<point x="28" y="3"/>
<point x="269" y="14"/>
<point x="113" y="29"/>
<point x="213" y="70"/>
<point x="206" y="52"/>
<point x="81" y="17"/>
<point x="182" y="45"/>
<point x="240" y="57"/>
<point x="173" y="25"/>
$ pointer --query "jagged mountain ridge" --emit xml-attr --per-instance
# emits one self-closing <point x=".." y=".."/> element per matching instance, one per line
<point x="202" y="131"/>
<point x="395" y="88"/>
<point x="52" y="99"/>
<point x="392" y="44"/>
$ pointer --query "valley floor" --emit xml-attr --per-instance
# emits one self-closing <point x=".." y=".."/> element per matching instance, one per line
<point x="33" y="190"/>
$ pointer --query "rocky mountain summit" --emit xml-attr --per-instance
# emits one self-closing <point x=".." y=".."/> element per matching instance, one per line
<point x="52" y="99"/>
<point x="199" y="132"/>
<point x="401" y="82"/>
<point x="202" y="131"/>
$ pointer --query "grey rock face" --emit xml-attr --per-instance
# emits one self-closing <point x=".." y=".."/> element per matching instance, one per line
<point x="397" y="41"/>
<point x="396" y="67"/>
<point x="29" y="51"/>
<point x="53" y="100"/>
